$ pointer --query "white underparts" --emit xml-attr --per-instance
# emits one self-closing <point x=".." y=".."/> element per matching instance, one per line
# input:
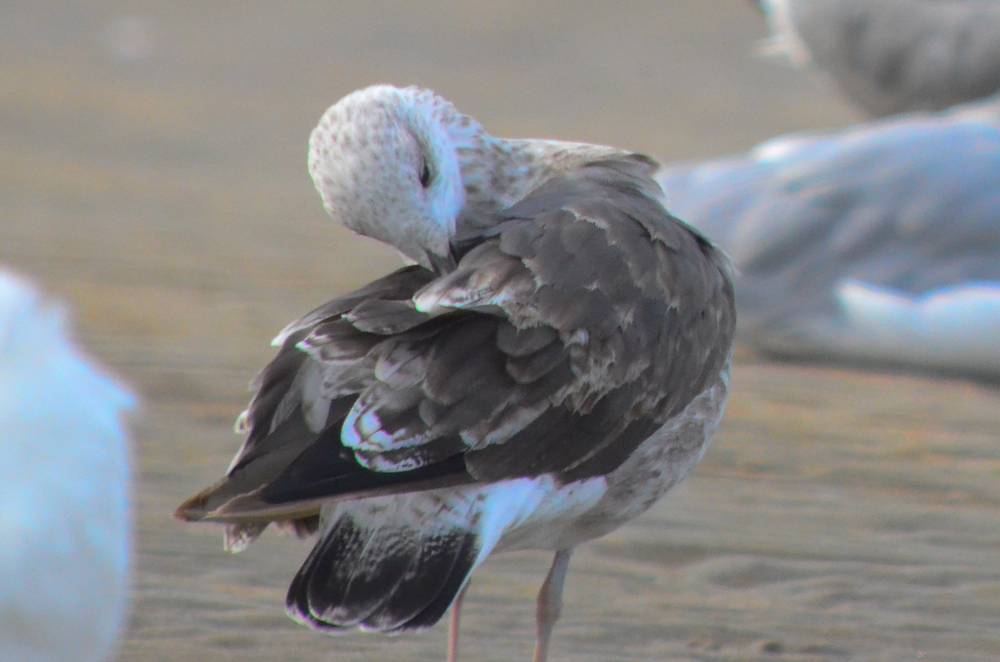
<point x="956" y="327"/>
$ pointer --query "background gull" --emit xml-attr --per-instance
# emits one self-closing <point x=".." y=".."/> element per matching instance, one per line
<point x="878" y="242"/>
<point x="63" y="489"/>
<point x="555" y="362"/>
<point x="892" y="56"/>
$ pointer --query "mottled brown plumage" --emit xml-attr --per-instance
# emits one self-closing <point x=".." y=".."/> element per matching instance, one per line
<point x="584" y="300"/>
<point x="489" y="398"/>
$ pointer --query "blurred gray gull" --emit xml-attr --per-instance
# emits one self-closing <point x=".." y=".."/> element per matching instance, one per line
<point x="555" y="361"/>
<point x="880" y="242"/>
<point x="64" y="481"/>
<point x="893" y="56"/>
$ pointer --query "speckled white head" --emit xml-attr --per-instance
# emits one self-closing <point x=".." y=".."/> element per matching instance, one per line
<point x="404" y="166"/>
<point x="385" y="161"/>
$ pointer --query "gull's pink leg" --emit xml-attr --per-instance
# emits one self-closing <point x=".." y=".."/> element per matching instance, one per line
<point x="550" y="602"/>
<point x="456" y="607"/>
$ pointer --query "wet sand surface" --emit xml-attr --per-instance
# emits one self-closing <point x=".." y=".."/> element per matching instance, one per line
<point x="153" y="175"/>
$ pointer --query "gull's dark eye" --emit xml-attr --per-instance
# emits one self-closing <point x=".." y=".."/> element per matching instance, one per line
<point x="425" y="175"/>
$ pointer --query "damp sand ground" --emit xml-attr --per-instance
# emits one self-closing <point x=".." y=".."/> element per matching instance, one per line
<point x="153" y="175"/>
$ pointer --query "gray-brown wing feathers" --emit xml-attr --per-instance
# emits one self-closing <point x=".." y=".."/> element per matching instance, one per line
<point x="322" y="357"/>
<point x="581" y="321"/>
<point x="616" y="297"/>
<point x="304" y="392"/>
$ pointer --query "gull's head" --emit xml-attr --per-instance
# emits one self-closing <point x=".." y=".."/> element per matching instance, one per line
<point x="785" y="40"/>
<point x="26" y="325"/>
<point x="386" y="162"/>
<point x="45" y="379"/>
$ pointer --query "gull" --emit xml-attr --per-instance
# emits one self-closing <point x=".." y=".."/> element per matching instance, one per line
<point x="875" y="243"/>
<point x="555" y="359"/>
<point x="64" y="481"/>
<point x="893" y="56"/>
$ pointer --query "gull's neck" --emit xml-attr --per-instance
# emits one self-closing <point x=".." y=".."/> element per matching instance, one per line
<point x="495" y="172"/>
<point x="498" y="172"/>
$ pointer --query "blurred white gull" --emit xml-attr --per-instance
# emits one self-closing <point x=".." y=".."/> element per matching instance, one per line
<point x="557" y="360"/>
<point x="893" y="56"/>
<point x="64" y="478"/>
<point x="880" y="242"/>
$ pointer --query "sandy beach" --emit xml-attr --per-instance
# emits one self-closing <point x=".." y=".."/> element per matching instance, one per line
<point x="153" y="175"/>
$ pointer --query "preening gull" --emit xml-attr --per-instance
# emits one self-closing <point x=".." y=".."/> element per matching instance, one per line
<point x="892" y="56"/>
<point x="879" y="242"/>
<point x="63" y="489"/>
<point x="556" y="360"/>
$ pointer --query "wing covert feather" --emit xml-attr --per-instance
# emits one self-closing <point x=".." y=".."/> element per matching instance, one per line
<point x="583" y="319"/>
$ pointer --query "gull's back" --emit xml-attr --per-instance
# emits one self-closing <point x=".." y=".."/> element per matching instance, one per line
<point x="893" y="56"/>
<point x="880" y="241"/>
